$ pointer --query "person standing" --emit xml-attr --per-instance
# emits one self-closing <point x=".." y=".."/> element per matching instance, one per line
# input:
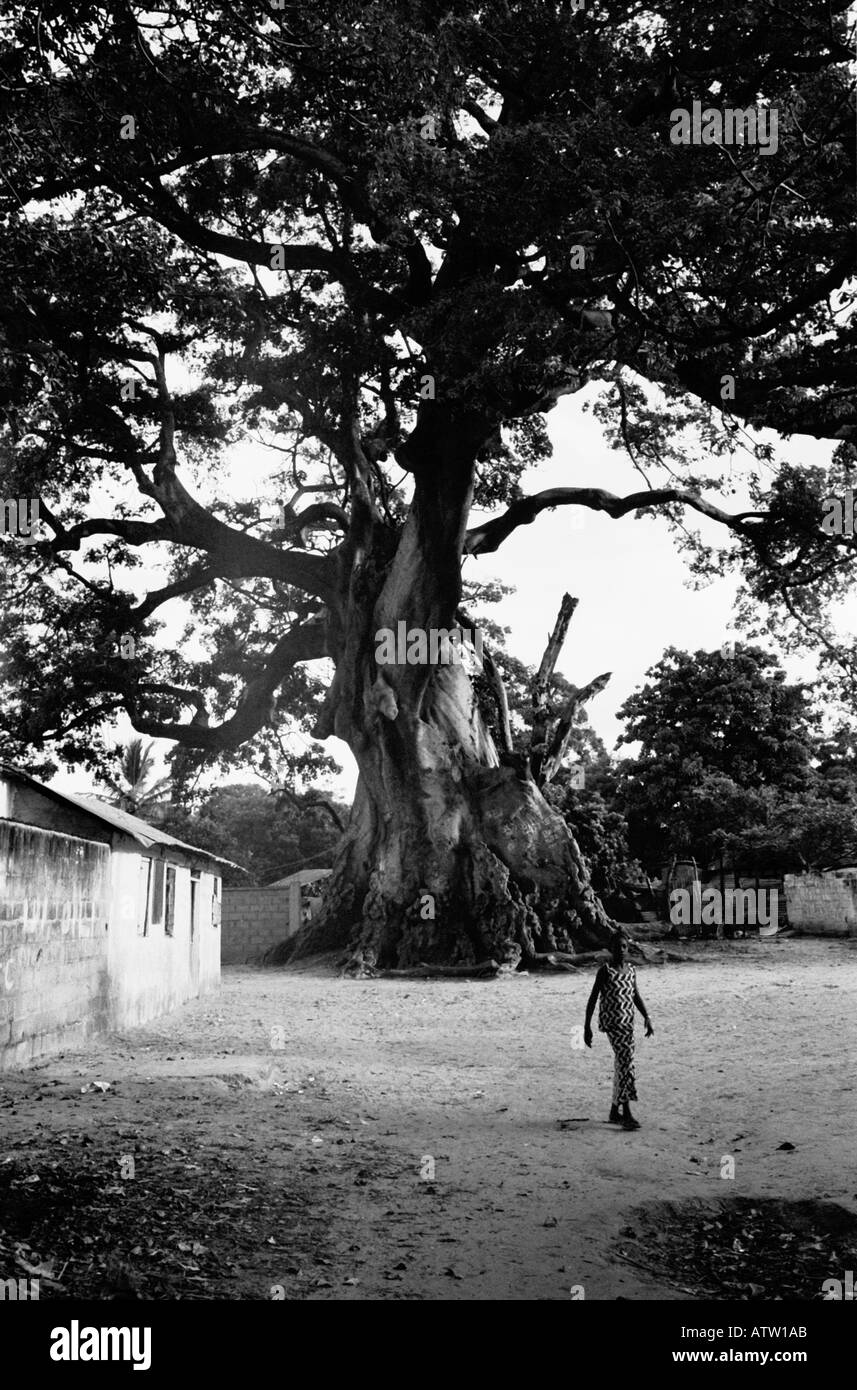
<point x="616" y="986"/>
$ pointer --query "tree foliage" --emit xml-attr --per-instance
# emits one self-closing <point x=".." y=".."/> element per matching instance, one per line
<point x="417" y="175"/>
<point x="732" y="759"/>
<point x="133" y="788"/>
<point x="255" y="829"/>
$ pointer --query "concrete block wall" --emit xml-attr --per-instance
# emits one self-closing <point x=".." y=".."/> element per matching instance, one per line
<point x="253" y="920"/>
<point x="54" y="913"/>
<point x="825" y="904"/>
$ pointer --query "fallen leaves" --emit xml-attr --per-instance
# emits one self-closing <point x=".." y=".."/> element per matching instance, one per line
<point x="742" y="1248"/>
<point x="157" y="1238"/>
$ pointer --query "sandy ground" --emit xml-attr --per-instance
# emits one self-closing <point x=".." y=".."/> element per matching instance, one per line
<point x="303" y="1157"/>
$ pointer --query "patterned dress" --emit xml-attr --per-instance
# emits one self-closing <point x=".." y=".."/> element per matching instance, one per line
<point x="616" y="1019"/>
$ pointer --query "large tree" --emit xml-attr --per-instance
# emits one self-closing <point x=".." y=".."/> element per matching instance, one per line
<point x="388" y="238"/>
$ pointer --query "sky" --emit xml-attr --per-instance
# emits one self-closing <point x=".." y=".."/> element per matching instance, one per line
<point x="632" y="585"/>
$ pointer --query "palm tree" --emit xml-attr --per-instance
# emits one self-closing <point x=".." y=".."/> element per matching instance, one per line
<point x="132" y="789"/>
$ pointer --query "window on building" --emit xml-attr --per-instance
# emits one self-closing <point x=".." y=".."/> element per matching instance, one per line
<point x="143" y="876"/>
<point x="215" y="902"/>
<point x="194" y="903"/>
<point x="170" y="901"/>
<point x="156" y="893"/>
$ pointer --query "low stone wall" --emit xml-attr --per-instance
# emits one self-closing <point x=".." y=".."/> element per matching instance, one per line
<point x="253" y="920"/>
<point x="823" y="904"/>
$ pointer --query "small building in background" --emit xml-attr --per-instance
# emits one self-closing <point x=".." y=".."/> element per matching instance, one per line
<point x="105" y="921"/>
<point x="824" y="903"/>
<point x="255" y="920"/>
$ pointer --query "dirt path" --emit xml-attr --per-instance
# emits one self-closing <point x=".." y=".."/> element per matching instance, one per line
<point x="303" y="1158"/>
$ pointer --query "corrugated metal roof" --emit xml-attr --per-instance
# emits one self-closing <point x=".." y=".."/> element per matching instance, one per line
<point x="302" y="876"/>
<point x="140" y="830"/>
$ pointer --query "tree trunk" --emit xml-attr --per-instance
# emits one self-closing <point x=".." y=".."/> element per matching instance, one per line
<point x="450" y="858"/>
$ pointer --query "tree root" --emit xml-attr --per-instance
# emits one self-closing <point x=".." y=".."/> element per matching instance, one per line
<point x="483" y="970"/>
<point x="655" y="955"/>
<point x="563" y="960"/>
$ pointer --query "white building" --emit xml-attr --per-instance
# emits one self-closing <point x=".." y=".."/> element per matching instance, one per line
<point x="105" y="921"/>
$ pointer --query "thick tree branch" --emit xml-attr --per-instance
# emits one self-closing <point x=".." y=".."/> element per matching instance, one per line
<point x="187" y="522"/>
<point x="317" y="803"/>
<point x="327" y="514"/>
<point x="178" y="692"/>
<point x="194" y="525"/>
<point x="480" y="540"/>
<point x="160" y="204"/>
<point x="488" y="123"/>
<point x="786" y="313"/>
<point x="134" y="532"/>
<point x="194" y="579"/>
<point x="256" y="707"/>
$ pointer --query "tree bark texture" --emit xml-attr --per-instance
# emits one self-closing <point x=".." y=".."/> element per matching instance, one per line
<point x="449" y="858"/>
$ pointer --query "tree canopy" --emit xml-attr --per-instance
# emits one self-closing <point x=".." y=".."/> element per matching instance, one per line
<point x="384" y="239"/>
<point x="417" y="174"/>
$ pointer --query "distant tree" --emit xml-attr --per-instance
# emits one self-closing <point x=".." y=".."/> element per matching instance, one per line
<point x="267" y="834"/>
<point x="132" y="788"/>
<point x="715" y="732"/>
<point x="836" y="763"/>
<point x="601" y="832"/>
<point x="799" y="832"/>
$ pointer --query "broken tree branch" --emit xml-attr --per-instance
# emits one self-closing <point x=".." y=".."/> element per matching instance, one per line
<point x="552" y="760"/>
<point x="540" y="689"/>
